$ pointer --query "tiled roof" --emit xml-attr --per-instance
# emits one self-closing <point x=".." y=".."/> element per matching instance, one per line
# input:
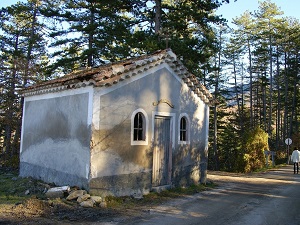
<point x="110" y="74"/>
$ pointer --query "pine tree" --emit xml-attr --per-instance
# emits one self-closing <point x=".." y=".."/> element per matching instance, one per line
<point x="91" y="32"/>
<point x="22" y="56"/>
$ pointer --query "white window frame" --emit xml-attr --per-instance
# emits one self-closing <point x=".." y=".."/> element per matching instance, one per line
<point x="146" y="126"/>
<point x="188" y="129"/>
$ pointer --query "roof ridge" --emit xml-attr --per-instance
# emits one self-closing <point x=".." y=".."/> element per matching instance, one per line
<point x="112" y="73"/>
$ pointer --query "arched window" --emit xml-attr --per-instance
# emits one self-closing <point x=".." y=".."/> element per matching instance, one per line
<point x="139" y="127"/>
<point x="183" y="129"/>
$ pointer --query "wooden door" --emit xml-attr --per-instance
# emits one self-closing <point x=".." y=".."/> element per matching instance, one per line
<point x="161" y="153"/>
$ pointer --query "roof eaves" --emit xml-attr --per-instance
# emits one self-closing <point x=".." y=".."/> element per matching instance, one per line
<point x="110" y="74"/>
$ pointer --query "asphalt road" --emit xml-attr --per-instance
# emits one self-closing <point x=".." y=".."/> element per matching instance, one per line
<point x="258" y="199"/>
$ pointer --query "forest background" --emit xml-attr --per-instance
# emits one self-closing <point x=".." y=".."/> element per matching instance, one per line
<point x="251" y="68"/>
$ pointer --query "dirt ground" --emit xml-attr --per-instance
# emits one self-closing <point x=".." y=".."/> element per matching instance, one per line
<point x="35" y="208"/>
<point x="248" y="192"/>
<point x="23" y="201"/>
<point x="60" y="211"/>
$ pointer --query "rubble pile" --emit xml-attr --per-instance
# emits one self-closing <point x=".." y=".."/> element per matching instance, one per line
<point x="81" y="196"/>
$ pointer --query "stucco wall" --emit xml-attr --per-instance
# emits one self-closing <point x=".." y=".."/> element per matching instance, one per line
<point x="117" y="166"/>
<point x="190" y="159"/>
<point x="56" y="132"/>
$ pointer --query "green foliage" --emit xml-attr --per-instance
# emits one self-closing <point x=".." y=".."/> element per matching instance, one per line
<point x="280" y="157"/>
<point x="263" y="90"/>
<point x="22" y="62"/>
<point x="7" y="161"/>
<point x="229" y="149"/>
<point x="255" y="142"/>
<point x="97" y="32"/>
<point x="12" y="188"/>
<point x="296" y="140"/>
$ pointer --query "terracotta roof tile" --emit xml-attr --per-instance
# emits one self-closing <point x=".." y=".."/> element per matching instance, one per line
<point x="110" y="74"/>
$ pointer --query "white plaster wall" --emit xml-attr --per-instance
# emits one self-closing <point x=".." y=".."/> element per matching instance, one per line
<point x="110" y="163"/>
<point x="113" y="108"/>
<point x="112" y="113"/>
<point x="68" y="157"/>
<point x="56" y="135"/>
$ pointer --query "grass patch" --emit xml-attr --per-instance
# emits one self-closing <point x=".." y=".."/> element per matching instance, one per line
<point x="270" y="167"/>
<point x="154" y="198"/>
<point x="14" y="189"/>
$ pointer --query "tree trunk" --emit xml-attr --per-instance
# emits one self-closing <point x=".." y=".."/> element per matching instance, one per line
<point x="250" y="73"/>
<point x="90" y="62"/>
<point x="217" y="166"/>
<point x="271" y="87"/>
<point x="278" y="120"/>
<point x="26" y="76"/>
<point x="157" y="16"/>
<point x="286" y="83"/>
<point x="237" y="95"/>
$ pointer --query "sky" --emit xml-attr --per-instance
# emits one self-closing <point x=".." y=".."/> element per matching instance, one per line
<point x="233" y="9"/>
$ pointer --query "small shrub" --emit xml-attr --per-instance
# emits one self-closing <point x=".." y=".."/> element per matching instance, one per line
<point x="255" y="142"/>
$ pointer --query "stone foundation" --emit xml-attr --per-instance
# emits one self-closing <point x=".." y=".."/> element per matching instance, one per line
<point x="52" y="176"/>
<point x="136" y="184"/>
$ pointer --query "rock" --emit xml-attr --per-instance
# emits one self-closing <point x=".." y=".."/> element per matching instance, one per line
<point x="96" y="199"/>
<point x="83" y="198"/>
<point x="103" y="205"/>
<point x="57" y="192"/>
<point x="45" y="185"/>
<point x="27" y="192"/>
<point x="138" y="195"/>
<point x="87" y="203"/>
<point x="75" y="194"/>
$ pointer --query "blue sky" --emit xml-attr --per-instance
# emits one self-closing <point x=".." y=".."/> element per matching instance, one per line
<point x="233" y="9"/>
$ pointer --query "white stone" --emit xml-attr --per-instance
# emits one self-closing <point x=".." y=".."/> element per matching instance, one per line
<point x="75" y="194"/>
<point x="103" y="205"/>
<point x="96" y="199"/>
<point x="88" y="203"/>
<point x="57" y="192"/>
<point x="83" y="198"/>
